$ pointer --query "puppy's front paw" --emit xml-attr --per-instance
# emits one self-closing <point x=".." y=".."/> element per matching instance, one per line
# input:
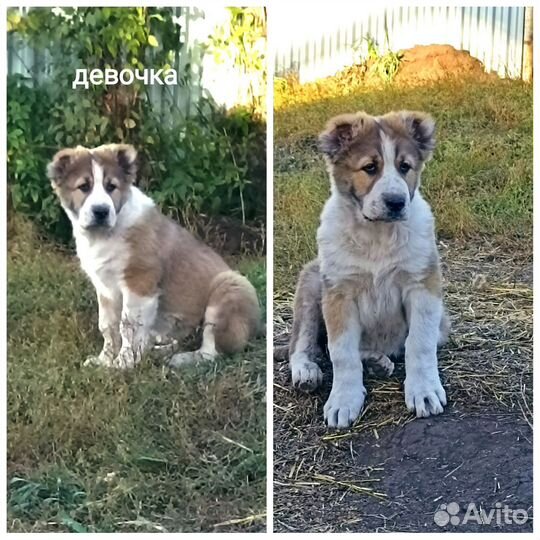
<point x="424" y="394"/>
<point x="344" y="405"/>
<point x="100" y="360"/>
<point x="124" y="360"/>
<point x="306" y="374"/>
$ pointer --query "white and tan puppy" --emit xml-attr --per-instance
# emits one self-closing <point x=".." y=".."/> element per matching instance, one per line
<point x="376" y="284"/>
<point x="154" y="281"/>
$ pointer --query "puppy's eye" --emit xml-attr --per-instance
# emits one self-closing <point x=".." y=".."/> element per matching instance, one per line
<point x="85" y="188"/>
<point x="109" y="188"/>
<point x="370" y="168"/>
<point x="404" y="167"/>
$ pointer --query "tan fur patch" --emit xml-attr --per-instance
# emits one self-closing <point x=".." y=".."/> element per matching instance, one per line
<point x="142" y="279"/>
<point x="335" y="312"/>
<point x="414" y="130"/>
<point x="357" y="148"/>
<point x="118" y="161"/>
<point x="356" y="182"/>
<point x="338" y="301"/>
<point x="165" y="258"/>
<point x="69" y="169"/>
<point x="433" y="281"/>
<point x="235" y="311"/>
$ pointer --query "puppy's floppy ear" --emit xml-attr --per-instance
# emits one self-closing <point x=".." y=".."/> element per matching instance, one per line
<point x="339" y="133"/>
<point x="421" y="127"/>
<point x="126" y="157"/>
<point x="56" y="169"/>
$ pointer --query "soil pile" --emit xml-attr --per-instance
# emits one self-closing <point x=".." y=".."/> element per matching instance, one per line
<point x="427" y="63"/>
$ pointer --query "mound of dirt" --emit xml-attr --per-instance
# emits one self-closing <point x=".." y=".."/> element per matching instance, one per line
<point x="422" y="64"/>
<point x="427" y="63"/>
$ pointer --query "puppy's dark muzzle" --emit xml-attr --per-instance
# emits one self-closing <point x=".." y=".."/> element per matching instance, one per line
<point x="395" y="206"/>
<point x="100" y="215"/>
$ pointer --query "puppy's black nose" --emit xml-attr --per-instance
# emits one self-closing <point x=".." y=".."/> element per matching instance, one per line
<point x="101" y="212"/>
<point x="394" y="202"/>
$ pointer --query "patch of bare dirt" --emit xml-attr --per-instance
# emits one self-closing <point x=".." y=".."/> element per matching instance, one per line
<point x="407" y="475"/>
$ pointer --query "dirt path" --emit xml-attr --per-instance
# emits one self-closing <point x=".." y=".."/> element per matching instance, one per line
<point x="457" y="458"/>
<point x="396" y="473"/>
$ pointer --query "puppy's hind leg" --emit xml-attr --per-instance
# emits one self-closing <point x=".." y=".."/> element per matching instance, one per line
<point x="307" y="321"/>
<point x="207" y="351"/>
<point x="231" y="319"/>
<point x="377" y="364"/>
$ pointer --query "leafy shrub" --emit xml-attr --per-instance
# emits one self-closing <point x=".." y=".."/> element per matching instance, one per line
<point x="30" y="145"/>
<point x="243" y="40"/>
<point x="215" y="164"/>
<point x="211" y="162"/>
<point x="383" y="66"/>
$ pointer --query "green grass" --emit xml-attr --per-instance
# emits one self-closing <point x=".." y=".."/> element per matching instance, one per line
<point x="144" y="450"/>
<point x="479" y="182"/>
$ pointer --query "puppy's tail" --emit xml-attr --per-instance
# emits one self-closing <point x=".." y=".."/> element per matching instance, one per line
<point x="233" y="309"/>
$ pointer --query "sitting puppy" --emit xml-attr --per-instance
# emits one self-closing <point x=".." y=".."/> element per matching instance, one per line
<point x="375" y="287"/>
<point x="154" y="281"/>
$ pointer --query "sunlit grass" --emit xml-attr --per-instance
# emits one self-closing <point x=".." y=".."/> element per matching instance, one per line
<point x="479" y="182"/>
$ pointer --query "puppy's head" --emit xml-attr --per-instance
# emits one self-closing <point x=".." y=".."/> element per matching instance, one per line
<point x="93" y="184"/>
<point x="376" y="161"/>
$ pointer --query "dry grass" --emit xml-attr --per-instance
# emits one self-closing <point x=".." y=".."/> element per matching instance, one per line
<point x="486" y="369"/>
<point x="145" y="450"/>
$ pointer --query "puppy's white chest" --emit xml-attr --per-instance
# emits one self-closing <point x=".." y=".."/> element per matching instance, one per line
<point x="104" y="262"/>
<point x="380" y="298"/>
<point x="382" y="314"/>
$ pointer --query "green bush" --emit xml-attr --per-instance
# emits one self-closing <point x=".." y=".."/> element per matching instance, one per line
<point x="211" y="162"/>
<point x="30" y="146"/>
<point x="214" y="163"/>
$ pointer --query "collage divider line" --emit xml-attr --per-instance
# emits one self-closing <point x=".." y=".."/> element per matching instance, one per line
<point x="269" y="270"/>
